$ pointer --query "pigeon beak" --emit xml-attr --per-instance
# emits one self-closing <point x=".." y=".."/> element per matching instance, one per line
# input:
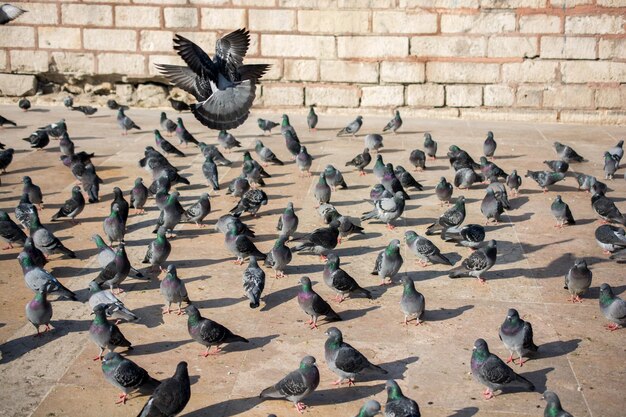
<point x="474" y="348"/>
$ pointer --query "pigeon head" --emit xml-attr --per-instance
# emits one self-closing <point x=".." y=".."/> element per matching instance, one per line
<point x="192" y="312"/>
<point x="410" y="236"/>
<point x="303" y="149"/>
<point x="406" y="281"/>
<point x="253" y="262"/>
<point x="335" y="224"/>
<point x="138" y="181"/>
<point x="111" y="357"/>
<point x="204" y="196"/>
<point x="285" y="120"/>
<point x="393" y="390"/>
<point x="580" y="263"/>
<point x="307" y="362"/>
<point x="393" y="246"/>
<point x="26" y="180"/>
<point x="427" y="136"/>
<point x="94" y="287"/>
<point x="181" y="371"/>
<point x="551" y="397"/>
<point x="258" y="145"/>
<point x="280" y="241"/>
<point x="75" y="190"/>
<point x="483" y="161"/>
<point x="171" y="269"/>
<point x="399" y="195"/>
<point x="99" y="310"/>
<point x="4" y="216"/>
<point x="305" y="282"/>
<point x="397" y="113"/>
<point x="163" y="115"/>
<point x="454" y="148"/>
<point x="334" y="334"/>
<point x="179" y="121"/>
<point x="481" y="347"/>
<point x="606" y="294"/>
<point x="400" y="169"/>
<point x="491" y="244"/>
<point x="490" y="135"/>
<point x="370" y="408"/>
<point x="332" y="261"/>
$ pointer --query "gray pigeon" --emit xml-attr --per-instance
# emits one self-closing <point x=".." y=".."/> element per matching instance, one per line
<point x="320" y="241"/>
<point x="285" y="126"/>
<point x="122" y="204"/>
<point x="241" y="246"/>
<point x="127" y="376"/>
<point x="430" y="146"/>
<point x="334" y="178"/>
<point x="304" y="162"/>
<point x="352" y="128"/>
<point x="394" y="124"/>
<point x="322" y="190"/>
<point x="167" y="125"/>
<point x="292" y="143"/>
<point x="8" y="12"/>
<point x="312" y="119"/>
<point x="578" y="280"/>
<point x="553" y="406"/>
<point x="39" y="309"/>
<point x="561" y="212"/>
<point x="266" y="125"/>
<point x="361" y="161"/>
<point x="265" y="154"/>
<point x="37" y="278"/>
<point x="344" y="360"/>
<point x="297" y="385"/>
<point x="388" y="262"/>
<point x="171" y="396"/>
<point x="379" y="167"/>
<point x="617" y="152"/>
<point x="288" y="222"/>
<point x="106" y="254"/>
<point x="209" y="170"/>
<point x="253" y="282"/>
<point x="66" y="146"/>
<point x="491" y="207"/>
<point x="72" y="206"/>
<point x="313" y="304"/>
<point x="208" y="332"/>
<point x="36" y="256"/>
<point x="373" y="141"/>
<point x="452" y="217"/>
<point x="613" y="307"/>
<point x="477" y="263"/>
<point x="370" y="409"/>
<point x="387" y="209"/>
<point x="199" y="210"/>
<point x="499" y="191"/>
<point x="606" y="209"/>
<point x="158" y="251"/>
<point x="171" y="213"/>
<point x="125" y="122"/>
<point x="378" y="191"/>
<point x="165" y="145"/>
<point x="610" y="238"/>
<point x="444" y="190"/>
<point x="517" y="336"/>
<point x="586" y="182"/>
<point x="10" y="232"/>
<point x="116" y="271"/>
<point x="424" y="249"/>
<point x="6" y="157"/>
<point x="489" y="146"/>
<point x="469" y="235"/>
<point x="115" y="308"/>
<point x="567" y="154"/>
<point x="23" y="103"/>
<point x="227" y="140"/>
<point x="44" y="240"/>
<point x="34" y="192"/>
<point x="406" y="179"/>
<point x="250" y="202"/>
<point x="417" y="158"/>
<point x="340" y="281"/>
<point x="238" y="186"/>
<point x="224" y="222"/>
<point x="173" y="290"/>
<point x="513" y="181"/>
<point x="114" y="226"/>
<point x="105" y="334"/>
<point x="213" y="152"/>
<point x="466" y="177"/>
<point x="610" y="166"/>
<point x="557" y="165"/>
<point x="412" y="301"/>
<point x="347" y="227"/>
<point x="489" y="370"/>
<point x="397" y="404"/>
<point x="279" y="257"/>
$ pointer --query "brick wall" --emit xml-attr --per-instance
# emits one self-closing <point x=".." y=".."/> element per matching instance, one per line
<point x="538" y="59"/>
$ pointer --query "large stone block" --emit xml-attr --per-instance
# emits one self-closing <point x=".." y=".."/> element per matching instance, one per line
<point x="444" y="4"/>
<point x="498" y="95"/>
<point x="372" y="46"/>
<point x="404" y="22"/>
<point x="595" y="25"/>
<point x="18" y="36"/>
<point x="110" y="39"/>
<point x="459" y="95"/>
<point x="180" y="17"/>
<point x="17" y="85"/>
<point x="38" y="13"/>
<point x="512" y="47"/>
<point x="276" y="68"/>
<point x="332" y="95"/>
<point x="262" y="20"/>
<point x="225" y="19"/>
<point x="125" y="64"/>
<point x="333" y="21"/>
<point x="151" y="95"/>
<point x="58" y="38"/>
<point x="513" y="4"/>
<point x="449" y="46"/>
<point x="86" y="14"/>
<point x="484" y="22"/>
<point x="610" y="98"/>
<point x="382" y="96"/>
<point x="3" y="60"/>
<point x="539" y="23"/>
<point x="612" y="49"/>
<point x="137" y="16"/>
<point x="568" y="97"/>
<point x="29" y="61"/>
<point x="162" y="59"/>
<point x="462" y="72"/>
<point x="529" y="71"/>
<point x="402" y="72"/>
<point x="568" y="47"/>
<point x="301" y="70"/>
<point x="72" y="62"/>
<point x="425" y="95"/>
<point x="593" y="71"/>
<point x="298" y="46"/>
<point x="529" y="96"/>
<point x="347" y="71"/>
<point x="283" y="94"/>
<point x="156" y="40"/>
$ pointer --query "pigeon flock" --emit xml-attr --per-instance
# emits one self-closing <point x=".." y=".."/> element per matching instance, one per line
<point x="170" y="205"/>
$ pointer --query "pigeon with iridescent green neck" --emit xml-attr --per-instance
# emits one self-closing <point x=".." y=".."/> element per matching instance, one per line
<point x="452" y="217"/>
<point x="334" y="178"/>
<point x="424" y="249"/>
<point x="379" y="167"/>
<point x="173" y="290"/>
<point x="253" y="282"/>
<point x="252" y="170"/>
<point x="397" y="404"/>
<point x="72" y="206"/>
<point x="171" y="214"/>
<point x="241" y="246"/>
<point x="37" y="278"/>
<point x="113" y="274"/>
<point x="489" y="146"/>
<point x="394" y="124"/>
<point x="227" y="140"/>
<point x="265" y="154"/>
<point x="322" y="191"/>
<point x="37" y="257"/>
<point x="412" y="301"/>
<point x="313" y="304"/>
<point x="39" y="309"/>
<point x="158" y="250"/>
<point x="266" y="125"/>
<point x="297" y="385"/>
<point x="105" y="334"/>
<point x="430" y="146"/>
<point x="491" y="371"/>
<point x="361" y="161"/>
<point x="10" y="232"/>
<point x="388" y="262"/>
<point x="183" y="134"/>
<point x="224" y="222"/>
<point x="279" y="257"/>
<point x="392" y="183"/>
<point x="288" y="222"/>
<point x="292" y="143"/>
<point x="208" y="332"/>
<point x="114" y="226"/>
<point x="344" y="360"/>
<point x="553" y="406"/>
<point x="517" y="336"/>
<point x="444" y="190"/>
<point x="370" y="409"/>
<point x="561" y="212"/>
<point x="304" y="161"/>
<point x="340" y="281"/>
<point x="612" y="307"/>
<point x="45" y="240"/>
<point x="106" y="255"/>
<point x="312" y="118"/>
<point x="209" y="170"/>
<point x="285" y="125"/>
<point x="127" y="376"/>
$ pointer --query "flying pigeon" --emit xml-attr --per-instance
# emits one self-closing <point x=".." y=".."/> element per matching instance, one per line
<point x="8" y="12"/>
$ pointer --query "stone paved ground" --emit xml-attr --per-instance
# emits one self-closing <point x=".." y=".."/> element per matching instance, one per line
<point x="583" y="363"/>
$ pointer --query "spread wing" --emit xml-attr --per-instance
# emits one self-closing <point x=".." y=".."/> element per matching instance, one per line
<point x="232" y="48"/>
<point x="194" y="57"/>
<point x="186" y="79"/>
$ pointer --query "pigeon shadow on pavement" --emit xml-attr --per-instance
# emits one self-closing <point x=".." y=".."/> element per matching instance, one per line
<point x="217" y="302"/>
<point x="556" y="348"/>
<point x="29" y="170"/>
<point x="339" y="395"/>
<point x="150" y="316"/>
<point x="255" y="342"/>
<point x="395" y="370"/>
<point x="227" y="408"/>
<point x="157" y="347"/>
<point x="445" y="313"/>
<point x="355" y="313"/>
<point x="276" y="298"/>
<point x="14" y="349"/>
<point x="538" y="378"/>
<point x="465" y="412"/>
